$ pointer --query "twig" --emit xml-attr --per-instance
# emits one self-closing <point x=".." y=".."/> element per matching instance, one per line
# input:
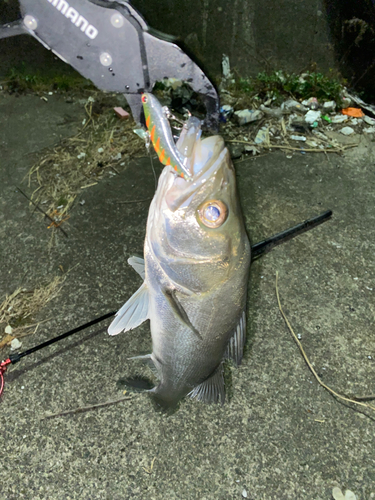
<point x="149" y="471"/>
<point x="240" y="142"/>
<point x="307" y="360"/>
<point x="85" y="408"/>
<point x="26" y="334"/>
<point x="253" y="157"/>
<point x="315" y="150"/>
<point x="42" y="211"/>
<point x="132" y="201"/>
<point x="89" y="185"/>
<point x="364" y="398"/>
<point x="308" y="150"/>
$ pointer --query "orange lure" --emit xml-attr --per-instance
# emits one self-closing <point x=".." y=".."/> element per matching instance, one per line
<point x="161" y="136"/>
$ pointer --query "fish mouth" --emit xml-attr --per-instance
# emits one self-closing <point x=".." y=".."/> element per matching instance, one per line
<point x="205" y="161"/>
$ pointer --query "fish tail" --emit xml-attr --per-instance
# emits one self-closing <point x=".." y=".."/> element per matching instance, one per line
<point x="164" y="401"/>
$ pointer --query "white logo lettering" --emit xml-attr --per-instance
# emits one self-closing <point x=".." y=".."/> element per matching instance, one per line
<point x="91" y="32"/>
<point x="74" y="16"/>
<point x="63" y="6"/>
<point x="82" y="20"/>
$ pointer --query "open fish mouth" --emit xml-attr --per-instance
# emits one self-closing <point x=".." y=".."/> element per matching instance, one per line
<point x="190" y="162"/>
<point x="205" y="160"/>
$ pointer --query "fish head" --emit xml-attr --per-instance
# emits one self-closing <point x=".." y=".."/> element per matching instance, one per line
<point x="195" y="229"/>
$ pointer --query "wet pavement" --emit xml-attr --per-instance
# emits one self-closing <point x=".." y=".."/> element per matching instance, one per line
<point x="280" y="435"/>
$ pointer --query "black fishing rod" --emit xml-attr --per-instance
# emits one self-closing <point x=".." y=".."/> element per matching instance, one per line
<point x="14" y="358"/>
<point x="265" y="246"/>
<point x="258" y="250"/>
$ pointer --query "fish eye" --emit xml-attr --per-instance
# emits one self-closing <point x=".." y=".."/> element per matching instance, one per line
<point x="144" y="98"/>
<point x="213" y="213"/>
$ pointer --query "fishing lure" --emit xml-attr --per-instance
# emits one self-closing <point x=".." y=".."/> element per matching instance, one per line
<point x="161" y="137"/>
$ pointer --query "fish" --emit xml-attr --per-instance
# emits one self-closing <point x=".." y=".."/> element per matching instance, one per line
<point x="195" y="269"/>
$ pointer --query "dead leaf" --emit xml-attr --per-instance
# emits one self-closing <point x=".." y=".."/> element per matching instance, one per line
<point x="6" y="341"/>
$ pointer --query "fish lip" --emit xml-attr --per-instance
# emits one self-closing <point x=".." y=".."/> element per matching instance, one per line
<point x="182" y="191"/>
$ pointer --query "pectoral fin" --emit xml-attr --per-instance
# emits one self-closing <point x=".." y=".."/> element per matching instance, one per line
<point x="211" y="390"/>
<point x="132" y="313"/>
<point x="180" y="311"/>
<point x="138" y="264"/>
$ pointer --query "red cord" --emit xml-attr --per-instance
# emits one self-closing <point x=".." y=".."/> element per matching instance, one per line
<point x="3" y="369"/>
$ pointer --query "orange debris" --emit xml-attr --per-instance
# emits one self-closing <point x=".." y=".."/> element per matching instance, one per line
<point x="121" y="113"/>
<point x="354" y="112"/>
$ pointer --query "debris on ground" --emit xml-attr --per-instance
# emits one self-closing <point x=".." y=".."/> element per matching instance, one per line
<point x="275" y="112"/>
<point x="369" y="120"/>
<point x="339" y="119"/>
<point x="295" y="113"/>
<point x="329" y="106"/>
<point x="312" y="124"/>
<point x="353" y="112"/>
<point x="347" y="130"/>
<point x="121" y="113"/>
<point x="312" y="116"/>
<point x="102" y="146"/>
<point x="247" y="116"/>
<point x="294" y="106"/>
<point x="15" y="344"/>
<point x="18" y="311"/>
<point x="337" y="494"/>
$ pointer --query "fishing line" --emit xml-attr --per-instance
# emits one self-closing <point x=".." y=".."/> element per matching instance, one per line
<point x="153" y="169"/>
<point x="147" y="139"/>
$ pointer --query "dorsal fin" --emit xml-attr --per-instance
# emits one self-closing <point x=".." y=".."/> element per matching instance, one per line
<point x="237" y="342"/>
<point x="212" y="389"/>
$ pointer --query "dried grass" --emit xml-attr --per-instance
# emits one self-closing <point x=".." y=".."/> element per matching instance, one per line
<point x="76" y="163"/>
<point x="277" y="137"/>
<point x="18" y="309"/>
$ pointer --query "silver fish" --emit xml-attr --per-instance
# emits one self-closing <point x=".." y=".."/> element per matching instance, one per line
<point x="195" y="270"/>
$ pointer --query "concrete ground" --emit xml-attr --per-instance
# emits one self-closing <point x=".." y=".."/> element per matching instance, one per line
<point x="280" y="435"/>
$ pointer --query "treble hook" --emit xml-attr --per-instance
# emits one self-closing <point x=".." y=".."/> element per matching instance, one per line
<point x="170" y="116"/>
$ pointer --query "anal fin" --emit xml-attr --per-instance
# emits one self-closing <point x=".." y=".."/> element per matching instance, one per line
<point x="237" y="342"/>
<point x="212" y="389"/>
